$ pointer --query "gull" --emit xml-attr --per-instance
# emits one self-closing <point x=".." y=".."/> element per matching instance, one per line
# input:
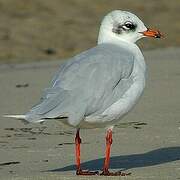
<point x="99" y="86"/>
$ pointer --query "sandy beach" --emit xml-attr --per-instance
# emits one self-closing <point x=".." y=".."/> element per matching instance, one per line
<point x="146" y="141"/>
<point x="41" y="29"/>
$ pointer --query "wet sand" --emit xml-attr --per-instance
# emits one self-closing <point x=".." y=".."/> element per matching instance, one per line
<point x="146" y="142"/>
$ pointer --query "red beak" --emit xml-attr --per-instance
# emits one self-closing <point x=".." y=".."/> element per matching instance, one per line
<point x="152" y="33"/>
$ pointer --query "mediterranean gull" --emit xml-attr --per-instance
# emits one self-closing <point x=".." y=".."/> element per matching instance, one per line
<point x="97" y="87"/>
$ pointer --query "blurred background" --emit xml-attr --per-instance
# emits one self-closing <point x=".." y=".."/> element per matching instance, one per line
<point x="34" y="30"/>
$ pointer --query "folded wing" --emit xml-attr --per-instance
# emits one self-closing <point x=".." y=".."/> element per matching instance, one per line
<point x="86" y="84"/>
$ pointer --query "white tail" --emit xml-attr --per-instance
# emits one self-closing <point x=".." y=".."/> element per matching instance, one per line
<point x="16" y="116"/>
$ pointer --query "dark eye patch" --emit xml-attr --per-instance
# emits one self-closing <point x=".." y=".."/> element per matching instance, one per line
<point x="127" y="26"/>
<point x="117" y="28"/>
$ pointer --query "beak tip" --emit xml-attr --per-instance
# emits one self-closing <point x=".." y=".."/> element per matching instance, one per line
<point x="159" y="35"/>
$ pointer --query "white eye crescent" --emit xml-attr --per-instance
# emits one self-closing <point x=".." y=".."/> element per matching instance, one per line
<point x="128" y="25"/>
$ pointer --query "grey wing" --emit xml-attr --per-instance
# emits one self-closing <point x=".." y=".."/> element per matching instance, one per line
<point x="86" y="84"/>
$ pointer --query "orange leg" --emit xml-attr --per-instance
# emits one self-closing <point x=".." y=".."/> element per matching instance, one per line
<point x="79" y="171"/>
<point x="107" y="158"/>
<point x="77" y="143"/>
<point x="108" y="151"/>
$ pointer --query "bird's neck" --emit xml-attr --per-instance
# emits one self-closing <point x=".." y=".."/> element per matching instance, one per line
<point x="106" y="36"/>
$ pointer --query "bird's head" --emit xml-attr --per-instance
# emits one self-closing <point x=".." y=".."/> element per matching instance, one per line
<point x="125" y="26"/>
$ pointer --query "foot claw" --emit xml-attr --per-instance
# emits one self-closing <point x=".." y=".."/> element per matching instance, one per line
<point x="86" y="172"/>
<point x="118" y="173"/>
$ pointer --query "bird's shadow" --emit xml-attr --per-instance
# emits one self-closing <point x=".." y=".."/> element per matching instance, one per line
<point x="125" y="162"/>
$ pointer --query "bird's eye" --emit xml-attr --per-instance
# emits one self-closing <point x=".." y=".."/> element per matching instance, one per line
<point x="129" y="26"/>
